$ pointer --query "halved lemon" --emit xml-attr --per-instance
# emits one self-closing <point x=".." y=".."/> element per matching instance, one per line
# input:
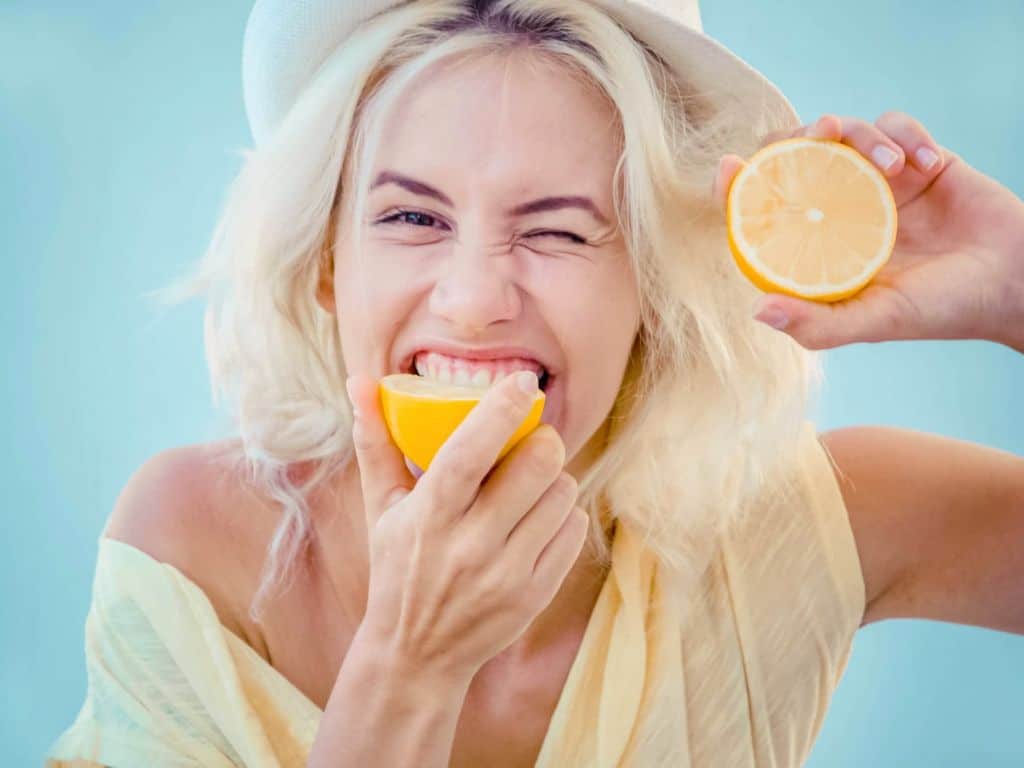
<point x="422" y="413"/>
<point x="811" y="218"/>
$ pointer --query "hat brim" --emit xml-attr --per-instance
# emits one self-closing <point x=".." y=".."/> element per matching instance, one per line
<point x="286" y="41"/>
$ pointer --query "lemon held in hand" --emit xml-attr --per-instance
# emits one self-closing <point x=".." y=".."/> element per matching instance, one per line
<point x="811" y="218"/>
<point x="422" y="413"/>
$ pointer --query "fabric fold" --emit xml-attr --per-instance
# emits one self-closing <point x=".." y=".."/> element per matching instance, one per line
<point x="623" y="702"/>
<point x="746" y="682"/>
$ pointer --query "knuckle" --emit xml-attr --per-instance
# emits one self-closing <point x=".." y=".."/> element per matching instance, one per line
<point x="891" y="117"/>
<point x="361" y="441"/>
<point x="460" y="469"/>
<point x="509" y="404"/>
<point x="517" y="578"/>
<point x="546" y="449"/>
<point x="447" y="484"/>
<point x="566" y="486"/>
<point x="499" y="582"/>
<point x="432" y="494"/>
<point x="467" y="557"/>
<point x="853" y="126"/>
<point x="892" y="318"/>
<point x="457" y="465"/>
<point x="421" y="517"/>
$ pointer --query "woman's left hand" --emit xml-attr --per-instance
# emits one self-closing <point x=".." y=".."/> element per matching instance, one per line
<point x="957" y="270"/>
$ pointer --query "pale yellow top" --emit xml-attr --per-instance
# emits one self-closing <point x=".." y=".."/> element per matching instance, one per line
<point x="747" y="682"/>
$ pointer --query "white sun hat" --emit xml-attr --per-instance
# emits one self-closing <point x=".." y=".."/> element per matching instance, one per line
<point x="286" y="41"/>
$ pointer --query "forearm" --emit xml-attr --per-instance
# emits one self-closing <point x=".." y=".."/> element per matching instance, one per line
<point x="380" y="714"/>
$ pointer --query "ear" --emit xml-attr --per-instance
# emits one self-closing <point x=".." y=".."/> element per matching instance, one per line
<point x="325" y="281"/>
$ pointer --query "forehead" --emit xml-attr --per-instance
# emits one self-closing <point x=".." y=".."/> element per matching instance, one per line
<point x="512" y="122"/>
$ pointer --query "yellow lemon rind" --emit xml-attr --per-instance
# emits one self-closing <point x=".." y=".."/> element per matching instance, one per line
<point x="421" y="415"/>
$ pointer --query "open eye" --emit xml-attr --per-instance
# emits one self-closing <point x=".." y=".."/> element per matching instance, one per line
<point x="394" y="217"/>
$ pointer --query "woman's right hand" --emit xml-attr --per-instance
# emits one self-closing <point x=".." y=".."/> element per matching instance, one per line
<point x="464" y="558"/>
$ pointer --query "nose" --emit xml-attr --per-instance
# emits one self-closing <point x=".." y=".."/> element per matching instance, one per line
<point x="475" y="291"/>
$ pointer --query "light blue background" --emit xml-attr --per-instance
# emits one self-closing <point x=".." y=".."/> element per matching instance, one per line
<point x="119" y="123"/>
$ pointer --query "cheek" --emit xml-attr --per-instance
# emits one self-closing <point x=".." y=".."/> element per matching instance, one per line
<point x="598" y="306"/>
<point x="596" y="321"/>
<point x="370" y="312"/>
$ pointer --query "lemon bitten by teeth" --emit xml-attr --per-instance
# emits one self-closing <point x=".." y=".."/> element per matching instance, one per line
<point x="421" y="414"/>
<point x="811" y="218"/>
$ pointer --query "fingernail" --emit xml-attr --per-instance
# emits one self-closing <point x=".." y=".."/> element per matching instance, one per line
<point x="926" y="158"/>
<point x="527" y="381"/>
<point x="772" y="316"/>
<point x="884" y="156"/>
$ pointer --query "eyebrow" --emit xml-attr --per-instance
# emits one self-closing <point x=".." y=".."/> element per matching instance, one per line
<point x="534" y="206"/>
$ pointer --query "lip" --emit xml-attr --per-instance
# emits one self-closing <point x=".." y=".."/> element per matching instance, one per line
<point x="471" y="353"/>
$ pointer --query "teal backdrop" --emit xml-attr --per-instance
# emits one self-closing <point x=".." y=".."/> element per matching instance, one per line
<point x="120" y="125"/>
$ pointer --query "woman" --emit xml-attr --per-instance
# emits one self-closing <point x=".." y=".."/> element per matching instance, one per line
<point x="300" y="595"/>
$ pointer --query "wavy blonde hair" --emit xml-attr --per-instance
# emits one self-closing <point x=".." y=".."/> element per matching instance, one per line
<point x="708" y="415"/>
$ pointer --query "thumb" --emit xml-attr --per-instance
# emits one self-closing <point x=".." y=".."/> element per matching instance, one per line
<point x="728" y="167"/>
<point x="383" y="474"/>
<point x="824" y="325"/>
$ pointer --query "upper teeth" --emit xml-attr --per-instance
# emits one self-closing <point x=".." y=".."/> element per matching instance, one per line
<point x="478" y="373"/>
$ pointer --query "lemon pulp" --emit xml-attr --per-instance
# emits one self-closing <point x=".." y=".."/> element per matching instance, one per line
<point x="811" y="218"/>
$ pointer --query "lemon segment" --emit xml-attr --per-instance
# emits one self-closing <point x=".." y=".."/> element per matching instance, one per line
<point x="422" y="413"/>
<point x="811" y="218"/>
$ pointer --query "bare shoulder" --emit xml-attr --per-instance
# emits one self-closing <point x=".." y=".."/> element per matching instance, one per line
<point x="180" y="507"/>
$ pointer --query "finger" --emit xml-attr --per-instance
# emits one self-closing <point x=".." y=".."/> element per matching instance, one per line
<point x="557" y="558"/>
<point x="825" y="127"/>
<point x="529" y="471"/>
<point x="454" y="476"/>
<point x="728" y="167"/>
<point x="872" y="142"/>
<point x="383" y="474"/>
<point x="541" y="522"/>
<point x="821" y="325"/>
<point x="917" y="144"/>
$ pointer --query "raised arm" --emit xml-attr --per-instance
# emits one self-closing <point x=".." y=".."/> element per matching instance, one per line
<point x="939" y="525"/>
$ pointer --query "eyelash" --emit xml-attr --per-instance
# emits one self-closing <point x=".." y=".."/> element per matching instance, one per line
<point x="569" y="235"/>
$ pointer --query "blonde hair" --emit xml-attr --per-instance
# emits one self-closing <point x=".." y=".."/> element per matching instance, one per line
<point x="708" y="415"/>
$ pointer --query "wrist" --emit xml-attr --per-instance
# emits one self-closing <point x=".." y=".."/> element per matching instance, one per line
<point x="412" y="682"/>
<point x="381" y="714"/>
<point x="1009" y="328"/>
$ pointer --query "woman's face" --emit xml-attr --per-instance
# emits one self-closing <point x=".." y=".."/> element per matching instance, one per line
<point x="459" y="253"/>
